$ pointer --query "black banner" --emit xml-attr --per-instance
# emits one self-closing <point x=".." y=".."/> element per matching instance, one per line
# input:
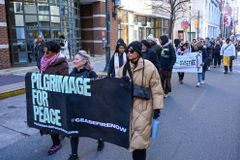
<point x="73" y="106"/>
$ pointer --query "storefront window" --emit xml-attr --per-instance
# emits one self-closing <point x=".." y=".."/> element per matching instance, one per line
<point x="28" y="19"/>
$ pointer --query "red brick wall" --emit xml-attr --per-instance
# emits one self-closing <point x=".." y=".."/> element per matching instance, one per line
<point x="97" y="8"/>
<point x="4" y="52"/>
<point x="114" y="31"/>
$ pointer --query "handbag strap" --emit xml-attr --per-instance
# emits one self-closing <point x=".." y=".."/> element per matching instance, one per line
<point x="127" y="68"/>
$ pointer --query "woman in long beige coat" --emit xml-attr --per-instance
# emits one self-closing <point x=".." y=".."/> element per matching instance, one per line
<point x="143" y="110"/>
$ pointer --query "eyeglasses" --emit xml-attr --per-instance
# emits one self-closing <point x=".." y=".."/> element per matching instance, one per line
<point x="131" y="51"/>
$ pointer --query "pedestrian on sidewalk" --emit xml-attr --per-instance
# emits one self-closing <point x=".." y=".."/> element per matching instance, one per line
<point x="149" y="54"/>
<point x="167" y="59"/>
<point x="53" y="62"/>
<point x="82" y="68"/>
<point x="183" y="50"/>
<point x="217" y="55"/>
<point x="65" y="47"/>
<point x="39" y="50"/>
<point x="142" y="73"/>
<point x="203" y="50"/>
<point x="118" y="59"/>
<point x="228" y="53"/>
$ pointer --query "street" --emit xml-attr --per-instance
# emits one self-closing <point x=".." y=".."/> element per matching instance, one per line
<point x="196" y="124"/>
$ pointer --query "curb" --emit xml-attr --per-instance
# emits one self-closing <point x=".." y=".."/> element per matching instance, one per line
<point x="12" y="93"/>
<point x="15" y="92"/>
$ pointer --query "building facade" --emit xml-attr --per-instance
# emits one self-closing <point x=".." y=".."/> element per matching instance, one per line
<point x="82" y="22"/>
<point x="137" y="19"/>
<point x="204" y="19"/>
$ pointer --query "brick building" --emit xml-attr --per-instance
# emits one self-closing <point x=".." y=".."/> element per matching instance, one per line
<point x="83" y="22"/>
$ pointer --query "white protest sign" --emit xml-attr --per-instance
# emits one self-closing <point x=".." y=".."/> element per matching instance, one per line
<point x="190" y="63"/>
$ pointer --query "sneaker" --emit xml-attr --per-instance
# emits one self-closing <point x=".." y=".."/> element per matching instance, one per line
<point x="198" y="84"/>
<point x="209" y="68"/>
<point x="100" y="145"/>
<point x="203" y="82"/>
<point x="54" y="149"/>
<point x="73" y="157"/>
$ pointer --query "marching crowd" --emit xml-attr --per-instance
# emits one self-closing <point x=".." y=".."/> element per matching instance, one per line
<point x="148" y="64"/>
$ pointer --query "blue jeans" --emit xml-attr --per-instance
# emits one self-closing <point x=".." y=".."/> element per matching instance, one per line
<point x="201" y="77"/>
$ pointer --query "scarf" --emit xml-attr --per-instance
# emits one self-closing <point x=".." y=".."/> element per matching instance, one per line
<point x="45" y="62"/>
<point x="116" y="61"/>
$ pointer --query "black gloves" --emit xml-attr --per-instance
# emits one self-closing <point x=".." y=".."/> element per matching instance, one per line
<point x="156" y="113"/>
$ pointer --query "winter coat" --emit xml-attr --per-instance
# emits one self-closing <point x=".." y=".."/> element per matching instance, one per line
<point x="111" y="69"/>
<point x="205" y="58"/>
<point x="39" y="52"/>
<point x="228" y="51"/>
<point x="59" y="67"/>
<point x="217" y="49"/>
<point x="167" y="57"/>
<point x="84" y="73"/>
<point x="142" y="111"/>
<point x="150" y="55"/>
<point x="65" y="49"/>
<point x="156" y="48"/>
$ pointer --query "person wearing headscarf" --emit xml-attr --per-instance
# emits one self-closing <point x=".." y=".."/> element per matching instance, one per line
<point x="153" y="44"/>
<point x="118" y="59"/>
<point x="143" y="73"/>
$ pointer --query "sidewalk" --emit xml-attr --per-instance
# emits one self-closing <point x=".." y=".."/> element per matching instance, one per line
<point x="12" y="81"/>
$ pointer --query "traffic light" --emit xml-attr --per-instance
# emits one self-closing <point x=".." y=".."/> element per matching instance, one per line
<point x="196" y="24"/>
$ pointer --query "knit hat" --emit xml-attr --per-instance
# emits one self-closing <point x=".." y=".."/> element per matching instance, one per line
<point x="151" y="38"/>
<point x="136" y="46"/>
<point x="145" y="43"/>
<point x="120" y="42"/>
<point x="164" y="39"/>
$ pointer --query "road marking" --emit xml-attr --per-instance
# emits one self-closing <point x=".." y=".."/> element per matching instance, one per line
<point x="197" y="101"/>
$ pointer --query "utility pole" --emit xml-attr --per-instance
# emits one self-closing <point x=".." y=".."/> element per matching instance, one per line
<point x="190" y="22"/>
<point x="107" y="46"/>
<point x="198" y="29"/>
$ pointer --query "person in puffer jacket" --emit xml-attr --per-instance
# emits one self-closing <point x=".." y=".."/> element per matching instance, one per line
<point x="167" y="59"/>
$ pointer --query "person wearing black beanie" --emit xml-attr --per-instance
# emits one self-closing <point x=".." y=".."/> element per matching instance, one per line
<point x="167" y="59"/>
<point x="118" y="59"/>
<point x="149" y="54"/>
<point x="142" y="73"/>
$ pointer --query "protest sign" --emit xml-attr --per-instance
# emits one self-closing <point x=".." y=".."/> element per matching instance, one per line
<point x="74" y="106"/>
<point x="190" y="63"/>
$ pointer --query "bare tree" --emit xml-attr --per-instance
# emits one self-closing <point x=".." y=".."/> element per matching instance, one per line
<point x="175" y="8"/>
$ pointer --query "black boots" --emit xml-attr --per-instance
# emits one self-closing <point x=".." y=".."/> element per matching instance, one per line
<point x="139" y="154"/>
<point x="100" y="145"/>
<point x="73" y="157"/>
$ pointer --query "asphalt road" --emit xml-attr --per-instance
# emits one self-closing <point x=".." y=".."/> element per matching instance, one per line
<point x="196" y="124"/>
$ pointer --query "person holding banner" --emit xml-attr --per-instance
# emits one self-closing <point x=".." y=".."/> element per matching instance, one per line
<point x="201" y="76"/>
<point x="228" y="53"/>
<point x="82" y="68"/>
<point x="182" y="51"/>
<point x="145" y="78"/>
<point x="53" y="62"/>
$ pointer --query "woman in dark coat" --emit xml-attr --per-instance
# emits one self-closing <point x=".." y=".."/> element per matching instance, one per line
<point x="118" y="59"/>
<point x="82" y="68"/>
<point x="53" y="62"/>
<point x="217" y="55"/>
